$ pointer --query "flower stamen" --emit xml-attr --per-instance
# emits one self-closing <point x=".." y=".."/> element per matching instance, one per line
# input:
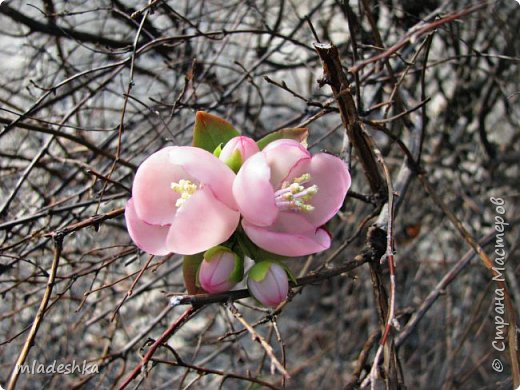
<point x="185" y="188"/>
<point x="294" y="196"/>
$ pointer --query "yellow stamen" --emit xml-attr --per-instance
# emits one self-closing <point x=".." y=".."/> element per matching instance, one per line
<point x="295" y="188"/>
<point x="185" y="188"/>
<point x="295" y="196"/>
<point x="302" y="179"/>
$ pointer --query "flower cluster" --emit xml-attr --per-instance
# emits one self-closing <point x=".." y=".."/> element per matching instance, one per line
<point x="266" y="200"/>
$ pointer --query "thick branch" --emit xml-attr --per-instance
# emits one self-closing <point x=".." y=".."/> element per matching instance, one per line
<point x="334" y="76"/>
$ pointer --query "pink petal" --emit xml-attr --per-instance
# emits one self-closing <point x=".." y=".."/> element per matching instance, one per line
<point x="281" y="156"/>
<point x="245" y="145"/>
<point x="154" y="200"/>
<point x="273" y="289"/>
<point x="214" y="275"/>
<point x="207" y="169"/>
<point x="285" y="243"/>
<point x="331" y="176"/>
<point x="149" y="238"/>
<point x="254" y="193"/>
<point x="292" y="222"/>
<point x="201" y="222"/>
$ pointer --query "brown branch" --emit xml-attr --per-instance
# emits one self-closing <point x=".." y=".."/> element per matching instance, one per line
<point x="132" y="286"/>
<point x="94" y="220"/>
<point x="438" y="290"/>
<point x="52" y="210"/>
<point x="334" y="76"/>
<point x="387" y="309"/>
<point x="53" y="29"/>
<point x="58" y="245"/>
<point x="174" y="326"/>
<point x="70" y="137"/>
<point x="275" y="363"/>
<point x="206" y="299"/>
<point x="416" y="33"/>
<point x="361" y="360"/>
<point x="225" y="374"/>
<point x="488" y="263"/>
<point x="27" y="171"/>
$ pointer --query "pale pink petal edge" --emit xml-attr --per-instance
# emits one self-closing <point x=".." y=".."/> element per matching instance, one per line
<point x="287" y="244"/>
<point x="253" y="192"/>
<point x="149" y="238"/>
<point x="201" y="222"/>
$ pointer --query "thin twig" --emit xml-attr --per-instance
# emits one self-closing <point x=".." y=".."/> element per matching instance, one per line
<point x="174" y="326"/>
<point x="58" y="246"/>
<point x="275" y="363"/>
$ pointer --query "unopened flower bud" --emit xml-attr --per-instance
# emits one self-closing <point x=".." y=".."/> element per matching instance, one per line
<point x="220" y="270"/>
<point x="268" y="283"/>
<point x="237" y="151"/>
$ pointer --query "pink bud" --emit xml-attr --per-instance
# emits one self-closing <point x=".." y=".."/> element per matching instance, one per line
<point x="237" y="151"/>
<point x="268" y="283"/>
<point x="220" y="270"/>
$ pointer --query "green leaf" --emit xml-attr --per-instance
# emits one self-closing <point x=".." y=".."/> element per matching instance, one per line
<point x="210" y="131"/>
<point x="238" y="271"/>
<point x="299" y="134"/>
<point x="190" y="267"/>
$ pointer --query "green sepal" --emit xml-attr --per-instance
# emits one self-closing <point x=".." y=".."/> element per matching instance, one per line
<point x="235" y="161"/>
<point x="259" y="270"/>
<point x="218" y="150"/>
<point x="238" y="270"/>
<point x="190" y="269"/>
<point x="299" y="134"/>
<point x="263" y="266"/>
<point x="209" y="255"/>
<point x="210" y="131"/>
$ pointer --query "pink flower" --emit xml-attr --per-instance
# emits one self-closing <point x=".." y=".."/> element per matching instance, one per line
<point x="237" y="151"/>
<point x="268" y="283"/>
<point x="220" y="270"/>
<point x="182" y="202"/>
<point x="285" y="195"/>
